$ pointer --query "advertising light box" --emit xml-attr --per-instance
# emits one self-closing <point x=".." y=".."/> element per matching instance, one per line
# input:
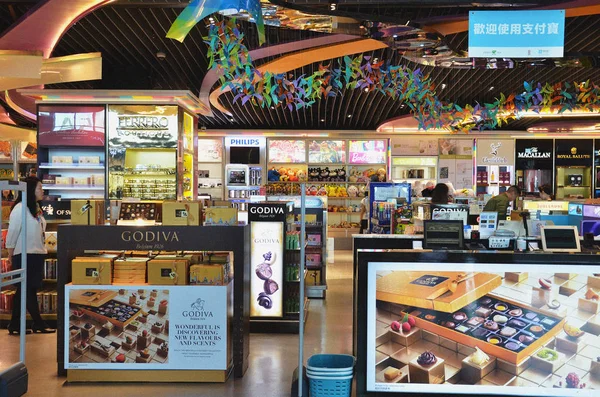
<point x="287" y="151"/>
<point x="327" y="152"/>
<point x="367" y="152"/>
<point x="170" y="327"/>
<point x="470" y="329"/>
<point x="71" y="125"/>
<point x="142" y="126"/>
<point x="517" y="34"/>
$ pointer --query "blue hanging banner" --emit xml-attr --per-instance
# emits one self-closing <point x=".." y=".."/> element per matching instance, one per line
<point x="516" y="34"/>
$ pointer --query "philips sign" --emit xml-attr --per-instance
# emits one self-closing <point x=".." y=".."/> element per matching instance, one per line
<point x="245" y="142"/>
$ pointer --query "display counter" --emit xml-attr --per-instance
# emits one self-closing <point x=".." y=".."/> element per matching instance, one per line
<point x="176" y="311"/>
<point x="477" y="323"/>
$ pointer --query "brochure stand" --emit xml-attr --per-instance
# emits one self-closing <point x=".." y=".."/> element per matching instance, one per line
<point x="15" y="377"/>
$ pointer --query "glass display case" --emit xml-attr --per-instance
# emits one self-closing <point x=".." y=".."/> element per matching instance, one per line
<point x="574" y="161"/>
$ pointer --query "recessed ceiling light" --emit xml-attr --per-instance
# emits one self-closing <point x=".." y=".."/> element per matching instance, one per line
<point x="322" y="120"/>
<point x="349" y="115"/>
<point x="232" y="119"/>
<point x="443" y="86"/>
<point x="366" y="90"/>
<point x="395" y="36"/>
<point x="491" y="88"/>
<point x="272" y="107"/>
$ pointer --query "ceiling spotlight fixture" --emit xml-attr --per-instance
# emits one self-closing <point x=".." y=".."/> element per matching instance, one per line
<point x="272" y="107"/>
<point x="231" y="119"/>
<point x="443" y="87"/>
<point x="349" y="116"/>
<point x="161" y="55"/>
<point x="491" y="88"/>
<point x="332" y="6"/>
<point x="395" y="36"/>
<point x="322" y="120"/>
<point x="366" y="90"/>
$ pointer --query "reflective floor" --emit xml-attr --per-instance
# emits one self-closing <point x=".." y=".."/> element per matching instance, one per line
<point x="273" y="358"/>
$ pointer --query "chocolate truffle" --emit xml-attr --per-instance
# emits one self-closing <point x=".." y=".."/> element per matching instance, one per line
<point x="271" y="287"/>
<point x="486" y="301"/>
<point x="449" y="324"/>
<point x="483" y="311"/>
<point x="479" y="332"/>
<point x="525" y="338"/>
<point x="460" y="316"/>
<point x="501" y="307"/>
<point x="426" y="359"/>
<point x="500" y="319"/>
<point x="494" y="340"/>
<point x="508" y="331"/>
<point x="489" y="324"/>
<point x="264" y="301"/>
<point x="475" y="321"/>
<point x="264" y="271"/>
<point x="429" y="317"/>
<point x="536" y="329"/>
<point x="517" y="323"/>
<point x="515" y="312"/>
<point x="512" y="346"/>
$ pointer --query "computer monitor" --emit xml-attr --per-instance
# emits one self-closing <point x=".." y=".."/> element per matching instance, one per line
<point x="441" y="234"/>
<point x="560" y="239"/>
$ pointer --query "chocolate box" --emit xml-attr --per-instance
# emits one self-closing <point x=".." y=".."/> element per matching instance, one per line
<point x="531" y="328"/>
<point x="220" y="216"/>
<point x="168" y="271"/>
<point x="50" y="241"/>
<point x="82" y="209"/>
<point x="208" y="275"/>
<point x="130" y="271"/>
<point x="182" y="213"/>
<point x="432" y="291"/>
<point x="93" y="270"/>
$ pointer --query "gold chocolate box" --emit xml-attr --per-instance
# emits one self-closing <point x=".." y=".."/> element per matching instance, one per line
<point x="182" y="213"/>
<point x="168" y="271"/>
<point x="92" y="270"/>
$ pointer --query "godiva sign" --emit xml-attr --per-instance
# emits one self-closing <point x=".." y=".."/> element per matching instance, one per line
<point x="495" y="152"/>
<point x="149" y="236"/>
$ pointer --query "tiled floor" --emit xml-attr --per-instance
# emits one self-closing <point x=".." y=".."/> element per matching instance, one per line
<point x="272" y="357"/>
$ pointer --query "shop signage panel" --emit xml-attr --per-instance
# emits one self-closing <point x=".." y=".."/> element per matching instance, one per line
<point x="367" y="152"/>
<point x="210" y="150"/>
<point x="574" y="152"/>
<point x="141" y="126"/>
<point x="414" y="146"/>
<point x="268" y="212"/>
<point x="495" y="152"/>
<point x="56" y="210"/>
<point x="450" y="212"/>
<point x="591" y="211"/>
<point x="266" y="259"/>
<point x="327" y="152"/>
<point x="517" y="34"/>
<point x="71" y="125"/>
<point x="187" y="332"/>
<point x="536" y="153"/>
<point x="455" y="147"/>
<point x="287" y="151"/>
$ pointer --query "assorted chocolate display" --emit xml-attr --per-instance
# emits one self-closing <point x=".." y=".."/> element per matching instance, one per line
<point x="115" y="310"/>
<point x="133" y="211"/>
<point x="265" y="272"/>
<point x="494" y="321"/>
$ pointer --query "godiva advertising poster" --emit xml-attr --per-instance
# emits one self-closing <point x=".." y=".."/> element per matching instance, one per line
<point x="452" y="328"/>
<point x="153" y="327"/>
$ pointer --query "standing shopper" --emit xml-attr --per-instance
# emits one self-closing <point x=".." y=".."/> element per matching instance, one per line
<point x="364" y="213"/>
<point x="36" y="253"/>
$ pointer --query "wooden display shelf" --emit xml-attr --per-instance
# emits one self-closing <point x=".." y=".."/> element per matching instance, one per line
<point x="45" y="316"/>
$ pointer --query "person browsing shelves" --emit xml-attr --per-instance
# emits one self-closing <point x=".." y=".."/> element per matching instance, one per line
<point x="501" y="202"/>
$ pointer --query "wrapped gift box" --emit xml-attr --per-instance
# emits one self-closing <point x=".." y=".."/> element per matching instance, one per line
<point x="187" y="213"/>
<point x="165" y="271"/>
<point x="208" y="275"/>
<point x="91" y="270"/>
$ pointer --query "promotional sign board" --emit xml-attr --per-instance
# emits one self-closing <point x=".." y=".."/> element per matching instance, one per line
<point x="71" y="125"/>
<point x="327" y="152"/>
<point x="414" y="146"/>
<point x="210" y="150"/>
<point x="142" y="126"/>
<point x="56" y="210"/>
<point x="287" y="151"/>
<point x="266" y="258"/>
<point x="534" y="153"/>
<point x="517" y="34"/>
<point x="367" y="152"/>
<point x="450" y="212"/>
<point x="495" y="152"/>
<point x="112" y="327"/>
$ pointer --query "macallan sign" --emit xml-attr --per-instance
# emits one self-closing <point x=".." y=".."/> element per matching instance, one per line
<point x="533" y="153"/>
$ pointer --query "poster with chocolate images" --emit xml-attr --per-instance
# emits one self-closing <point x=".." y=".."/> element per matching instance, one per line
<point x="146" y="327"/>
<point x="266" y="277"/>
<point x="451" y="328"/>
